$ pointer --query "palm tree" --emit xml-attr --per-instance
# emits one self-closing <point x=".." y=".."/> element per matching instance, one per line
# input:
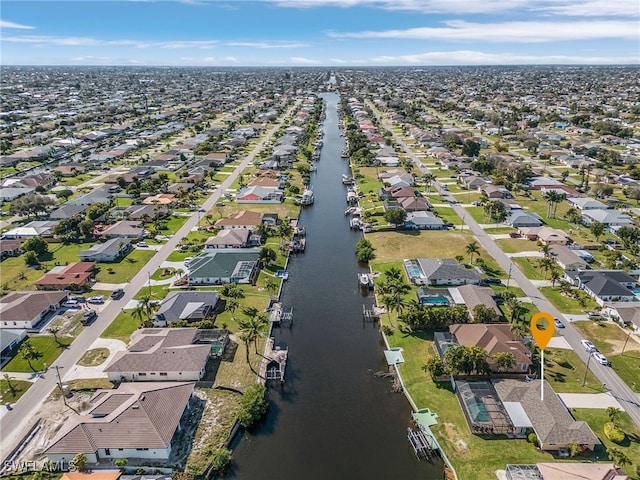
<point x="54" y="331"/>
<point x="139" y="313"/>
<point x="394" y="274"/>
<point x="271" y="286"/>
<point x="251" y="329"/>
<point x="232" y="291"/>
<point x="232" y="304"/>
<point x="545" y="250"/>
<point x="554" y="276"/>
<point x="428" y="179"/>
<point x="472" y="248"/>
<point x="10" y="385"/>
<point x="546" y="264"/>
<point x="459" y="258"/>
<point x="29" y="353"/>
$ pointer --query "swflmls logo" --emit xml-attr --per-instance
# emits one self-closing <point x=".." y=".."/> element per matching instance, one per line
<point x="34" y="466"/>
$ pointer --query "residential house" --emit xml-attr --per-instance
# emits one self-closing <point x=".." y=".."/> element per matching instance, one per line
<point x="9" y="248"/>
<point x="538" y="183"/>
<point x="124" y="229"/>
<point x="474" y="295"/>
<point x="473" y="182"/>
<point x="222" y="266"/>
<point x="25" y="310"/>
<point x="260" y="195"/>
<point x="73" y="276"/>
<point x="586" y="203"/>
<point x="9" y="340"/>
<point x="608" y="217"/>
<point x="553" y="424"/>
<point x="266" y="182"/>
<point x="160" y="355"/>
<point x="567" y="258"/>
<point x="67" y="211"/>
<point x="421" y="220"/>
<point x="160" y="199"/>
<point x="493" y="338"/>
<point x="522" y="218"/>
<point x="494" y="191"/>
<point x="414" y="204"/>
<point x="605" y="285"/>
<point x="140" y="212"/>
<point x="189" y="306"/>
<point x="235" y="238"/>
<point x="36" y="228"/>
<point x="216" y="159"/>
<point x="242" y="219"/>
<point x="560" y="190"/>
<point x="97" y="195"/>
<point x="8" y="194"/>
<point x="626" y="313"/>
<point x="567" y="471"/>
<point x="546" y="235"/>
<point x="439" y="271"/>
<point x="136" y="420"/>
<point x="113" y="250"/>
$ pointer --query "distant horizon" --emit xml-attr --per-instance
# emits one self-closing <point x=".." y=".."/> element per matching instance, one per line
<point x="321" y="33"/>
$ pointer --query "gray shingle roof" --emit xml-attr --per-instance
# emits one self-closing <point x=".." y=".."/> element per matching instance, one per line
<point x="446" y="268"/>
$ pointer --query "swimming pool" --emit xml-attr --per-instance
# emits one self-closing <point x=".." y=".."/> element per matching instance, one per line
<point x="435" y="300"/>
<point x="413" y="269"/>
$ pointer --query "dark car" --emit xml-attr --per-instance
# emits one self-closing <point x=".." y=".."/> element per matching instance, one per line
<point x="117" y="294"/>
<point x="491" y="281"/>
<point x="88" y="317"/>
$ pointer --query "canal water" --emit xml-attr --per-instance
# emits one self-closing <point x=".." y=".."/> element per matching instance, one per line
<point x="333" y="418"/>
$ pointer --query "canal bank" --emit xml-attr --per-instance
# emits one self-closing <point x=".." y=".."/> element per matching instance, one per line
<point x="334" y="417"/>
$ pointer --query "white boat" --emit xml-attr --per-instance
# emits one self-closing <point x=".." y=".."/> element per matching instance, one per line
<point x="307" y="197"/>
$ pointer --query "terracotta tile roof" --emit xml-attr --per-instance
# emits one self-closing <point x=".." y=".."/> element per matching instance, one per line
<point x="241" y="217"/>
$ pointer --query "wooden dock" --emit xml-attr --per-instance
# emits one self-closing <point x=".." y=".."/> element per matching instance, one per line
<point x="281" y="315"/>
<point x="370" y="314"/>
<point x="274" y="362"/>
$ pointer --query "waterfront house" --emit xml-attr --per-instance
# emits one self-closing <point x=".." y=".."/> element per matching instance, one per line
<point x="112" y="250"/>
<point x="188" y="306"/>
<point x="228" y="239"/>
<point x="493" y="338"/>
<point x="439" y="271"/>
<point x="242" y="219"/>
<point x="134" y="421"/>
<point x="160" y="355"/>
<point x="260" y="195"/>
<point x="222" y="266"/>
<point x="25" y="310"/>
<point x="552" y="423"/>
<point x="565" y="471"/>
<point x="473" y="295"/>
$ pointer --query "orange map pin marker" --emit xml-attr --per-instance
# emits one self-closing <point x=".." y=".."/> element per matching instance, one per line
<point x="542" y="338"/>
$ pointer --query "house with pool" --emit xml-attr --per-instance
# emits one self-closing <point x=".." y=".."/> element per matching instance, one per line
<point x="439" y="271"/>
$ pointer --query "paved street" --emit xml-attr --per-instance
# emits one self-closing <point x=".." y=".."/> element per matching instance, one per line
<point x="629" y="400"/>
<point x="15" y="424"/>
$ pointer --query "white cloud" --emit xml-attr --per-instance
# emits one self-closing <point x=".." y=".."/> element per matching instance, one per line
<point x="513" y="32"/>
<point x="7" y="24"/>
<point x="186" y="44"/>
<point x="588" y="8"/>
<point x="303" y="61"/>
<point x="230" y="59"/>
<point x="470" y="57"/>
<point x="91" y="59"/>
<point x="338" y="60"/>
<point x="209" y="59"/>
<point x="95" y="42"/>
<point x="267" y="44"/>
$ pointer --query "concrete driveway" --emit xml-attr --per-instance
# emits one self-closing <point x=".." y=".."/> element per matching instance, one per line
<point x="589" y="400"/>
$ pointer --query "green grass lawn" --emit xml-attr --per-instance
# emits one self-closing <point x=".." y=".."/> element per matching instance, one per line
<point x="122" y="326"/>
<point x="20" y="387"/>
<point x="125" y="269"/>
<point x="478" y="214"/>
<point x="173" y="224"/>
<point x="179" y="255"/>
<point x="44" y="344"/>
<point x="472" y="457"/>
<point x="530" y="269"/>
<point x="500" y="230"/>
<point x="158" y="292"/>
<point x="448" y="215"/>
<point x="596" y="418"/>
<point x="74" y="181"/>
<point x="515" y="245"/>
<point x="564" y="370"/>
<point x="567" y="304"/>
<point x="610" y="339"/>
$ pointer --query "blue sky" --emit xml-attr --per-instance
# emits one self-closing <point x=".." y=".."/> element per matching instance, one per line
<point x="319" y="32"/>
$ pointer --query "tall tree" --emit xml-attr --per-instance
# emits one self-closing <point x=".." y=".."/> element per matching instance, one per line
<point x="471" y="249"/>
<point x="503" y="360"/>
<point x="29" y="353"/>
<point x="597" y="229"/>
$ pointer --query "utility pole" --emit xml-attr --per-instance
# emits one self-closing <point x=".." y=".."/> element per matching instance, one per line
<point x="509" y="277"/>
<point x="149" y="275"/>
<point x="625" y="342"/>
<point x="584" y="380"/>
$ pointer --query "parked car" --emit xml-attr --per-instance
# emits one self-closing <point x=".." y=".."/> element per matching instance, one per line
<point x="491" y="281"/>
<point x="142" y="244"/>
<point x="79" y="299"/>
<point x="594" y="315"/>
<point x="588" y="346"/>
<point x="71" y="304"/>
<point x="96" y="300"/>
<point x="514" y="235"/>
<point x="88" y="317"/>
<point x="558" y="323"/>
<point x="117" y="293"/>
<point x="601" y="359"/>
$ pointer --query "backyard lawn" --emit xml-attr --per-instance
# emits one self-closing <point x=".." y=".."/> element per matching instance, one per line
<point x="19" y="386"/>
<point x="596" y="418"/>
<point x="122" y="326"/>
<point x="44" y="344"/>
<point x="125" y="269"/>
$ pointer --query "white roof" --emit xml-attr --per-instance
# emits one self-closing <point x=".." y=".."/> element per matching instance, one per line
<point x="517" y="415"/>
